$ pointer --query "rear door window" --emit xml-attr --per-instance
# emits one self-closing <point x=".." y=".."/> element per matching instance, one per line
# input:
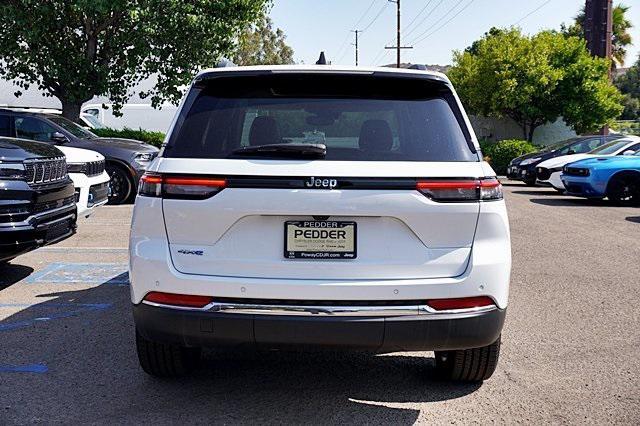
<point x="357" y="119"/>
<point x="34" y="129"/>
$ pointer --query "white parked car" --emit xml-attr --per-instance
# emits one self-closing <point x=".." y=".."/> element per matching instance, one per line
<point x="549" y="171"/>
<point x="91" y="181"/>
<point x="133" y="116"/>
<point x="320" y="206"/>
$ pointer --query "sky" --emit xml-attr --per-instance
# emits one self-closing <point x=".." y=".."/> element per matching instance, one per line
<point x="441" y="27"/>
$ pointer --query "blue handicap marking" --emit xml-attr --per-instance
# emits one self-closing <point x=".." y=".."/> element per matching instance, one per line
<point x="28" y="368"/>
<point x="89" y="273"/>
<point x="63" y="310"/>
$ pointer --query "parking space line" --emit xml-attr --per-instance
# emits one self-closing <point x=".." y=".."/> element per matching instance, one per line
<point x="28" y="368"/>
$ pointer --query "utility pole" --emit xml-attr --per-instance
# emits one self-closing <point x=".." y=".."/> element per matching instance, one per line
<point x="398" y="46"/>
<point x="598" y="27"/>
<point x="598" y="31"/>
<point x="356" y="43"/>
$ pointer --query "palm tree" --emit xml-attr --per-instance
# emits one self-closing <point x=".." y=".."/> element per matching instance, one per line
<point x="620" y="39"/>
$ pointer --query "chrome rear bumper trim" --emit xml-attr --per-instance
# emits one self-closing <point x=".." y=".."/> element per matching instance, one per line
<point x="342" y="311"/>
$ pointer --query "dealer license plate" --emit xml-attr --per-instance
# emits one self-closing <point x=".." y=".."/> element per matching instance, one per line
<point x="320" y="239"/>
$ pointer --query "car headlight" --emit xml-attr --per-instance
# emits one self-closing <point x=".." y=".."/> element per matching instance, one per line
<point x="144" y="158"/>
<point x="530" y="161"/>
<point x="11" y="171"/>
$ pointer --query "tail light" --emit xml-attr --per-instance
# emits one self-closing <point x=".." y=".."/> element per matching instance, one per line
<point x="185" y="187"/>
<point x="488" y="189"/>
<point x="460" y="303"/>
<point x="183" y="300"/>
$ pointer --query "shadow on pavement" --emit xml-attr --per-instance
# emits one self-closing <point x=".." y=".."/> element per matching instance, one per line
<point x="570" y="202"/>
<point x="635" y="219"/>
<point x="11" y="273"/>
<point x="540" y="191"/>
<point x="73" y="359"/>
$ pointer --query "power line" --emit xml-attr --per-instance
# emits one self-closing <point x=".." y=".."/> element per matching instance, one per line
<point x="375" y="18"/>
<point x="384" y="6"/>
<point x="339" y="52"/>
<point x="445" y="23"/>
<point x="424" y="19"/>
<point x="532" y="12"/>
<point x="417" y="16"/>
<point x="364" y="14"/>
<point x="437" y="21"/>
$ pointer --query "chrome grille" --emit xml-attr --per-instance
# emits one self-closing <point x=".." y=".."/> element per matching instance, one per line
<point x="46" y="170"/>
<point x="95" y="168"/>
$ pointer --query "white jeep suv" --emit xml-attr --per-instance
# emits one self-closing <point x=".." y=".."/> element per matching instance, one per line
<point x="87" y="171"/>
<point x="320" y="206"/>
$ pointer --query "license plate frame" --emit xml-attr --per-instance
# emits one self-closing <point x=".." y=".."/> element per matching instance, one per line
<point x="326" y="250"/>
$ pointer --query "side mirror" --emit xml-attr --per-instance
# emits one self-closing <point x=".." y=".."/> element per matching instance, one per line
<point x="629" y="152"/>
<point x="59" y="137"/>
<point x="571" y="152"/>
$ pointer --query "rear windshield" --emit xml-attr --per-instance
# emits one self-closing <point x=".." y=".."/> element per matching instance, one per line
<point x="360" y="118"/>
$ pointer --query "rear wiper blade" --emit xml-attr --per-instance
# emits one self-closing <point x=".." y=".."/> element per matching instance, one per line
<point x="293" y="150"/>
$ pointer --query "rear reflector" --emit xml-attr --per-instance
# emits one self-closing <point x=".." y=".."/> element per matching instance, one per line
<point x="460" y="303"/>
<point x="188" y="187"/>
<point x="184" y="300"/>
<point x="488" y="189"/>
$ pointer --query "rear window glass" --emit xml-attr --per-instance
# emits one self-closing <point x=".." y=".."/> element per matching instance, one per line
<point x="358" y="118"/>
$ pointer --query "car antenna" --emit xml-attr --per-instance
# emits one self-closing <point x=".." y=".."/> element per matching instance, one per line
<point x="321" y="60"/>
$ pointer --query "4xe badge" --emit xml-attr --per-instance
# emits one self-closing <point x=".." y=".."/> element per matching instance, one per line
<point x="321" y="183"/>
<point x="192" y="252"/>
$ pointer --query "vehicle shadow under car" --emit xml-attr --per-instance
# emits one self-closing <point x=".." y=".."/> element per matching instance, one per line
<point x="11" y="273"/>
<point x="72" y="359"/>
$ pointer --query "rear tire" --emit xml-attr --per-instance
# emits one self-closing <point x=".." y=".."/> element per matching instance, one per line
<point x="165" y="360"/>
<point x="530" y="182"/>
<point x="624" y="190"/>
<point x="468" y="365"/>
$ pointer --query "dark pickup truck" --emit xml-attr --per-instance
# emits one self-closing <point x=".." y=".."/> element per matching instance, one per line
<point x="37" y="204"/>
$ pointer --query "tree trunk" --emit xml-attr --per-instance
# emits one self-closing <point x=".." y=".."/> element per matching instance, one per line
<point x="532" y="128"/>
<point x="71" y="110"/>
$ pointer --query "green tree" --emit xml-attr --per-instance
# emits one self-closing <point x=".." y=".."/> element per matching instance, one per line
<point x="621" y="37"/>
<point x="629" y="83"/>
<point x="260" y="44"/>
<point x="77" y="49"/>
<point x="629" y="86"/>
<point x="535" y="80"/>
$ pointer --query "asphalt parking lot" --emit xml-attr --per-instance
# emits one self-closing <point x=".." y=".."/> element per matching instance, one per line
<point x="571" y="346"/>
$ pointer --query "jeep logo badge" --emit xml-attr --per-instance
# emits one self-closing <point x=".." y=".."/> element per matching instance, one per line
<point x="321" y="183"/>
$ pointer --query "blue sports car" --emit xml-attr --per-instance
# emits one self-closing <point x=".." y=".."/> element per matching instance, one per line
<point x="617" y="178"/>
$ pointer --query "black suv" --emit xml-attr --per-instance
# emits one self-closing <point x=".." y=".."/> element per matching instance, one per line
<point x="126" y="159"/>
<point x="37" y="203"/>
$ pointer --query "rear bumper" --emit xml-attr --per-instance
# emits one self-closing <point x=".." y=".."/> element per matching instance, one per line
<point x="380" y="333"/>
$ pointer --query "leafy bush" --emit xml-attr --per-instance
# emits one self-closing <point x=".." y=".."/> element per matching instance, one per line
<point x="148" y="136"/>
<point x="498" y="154"/>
